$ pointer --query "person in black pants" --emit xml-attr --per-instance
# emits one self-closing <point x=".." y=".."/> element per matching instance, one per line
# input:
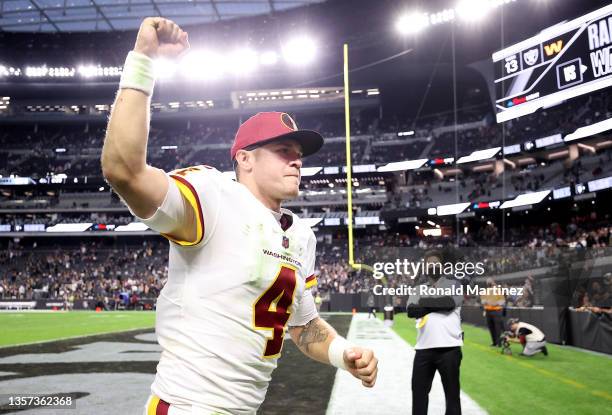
<point x="493" y="306"/>
<point x="439" y="341"/>
<point x="445" y="360"/>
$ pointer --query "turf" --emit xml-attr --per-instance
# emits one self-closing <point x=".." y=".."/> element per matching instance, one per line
<point x="22" y="328"/>
<point x="566" y="382"/>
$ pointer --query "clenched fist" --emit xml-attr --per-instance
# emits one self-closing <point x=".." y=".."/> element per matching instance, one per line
<point x="362" y="364"/>
<point x="159" y="37"/>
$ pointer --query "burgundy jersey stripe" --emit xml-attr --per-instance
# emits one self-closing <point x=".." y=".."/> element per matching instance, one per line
<point x="162" y="408"/>
<point x="200" y="215"/>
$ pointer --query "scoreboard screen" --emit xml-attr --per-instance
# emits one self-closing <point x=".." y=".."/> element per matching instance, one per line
<point x="561" y="62"/>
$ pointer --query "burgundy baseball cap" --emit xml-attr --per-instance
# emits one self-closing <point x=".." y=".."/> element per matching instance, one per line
<point x="265" y="127"/>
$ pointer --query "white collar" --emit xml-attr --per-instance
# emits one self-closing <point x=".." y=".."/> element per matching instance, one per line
<point x="277" y="215"/>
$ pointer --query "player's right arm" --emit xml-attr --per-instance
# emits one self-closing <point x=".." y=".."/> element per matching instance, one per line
<point x="143" y="187"/>
<point x="319" y="341"/>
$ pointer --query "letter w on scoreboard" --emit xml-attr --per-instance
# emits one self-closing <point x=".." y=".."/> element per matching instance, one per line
<point x="553" y="48"/>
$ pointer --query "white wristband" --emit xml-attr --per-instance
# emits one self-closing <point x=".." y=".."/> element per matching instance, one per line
<point x="138" y="73"/>
<point x="336" y="350"/>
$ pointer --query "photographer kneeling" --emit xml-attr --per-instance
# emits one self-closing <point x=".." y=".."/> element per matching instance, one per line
<point x="531" y="337"/>
<point x="439" y="337"/>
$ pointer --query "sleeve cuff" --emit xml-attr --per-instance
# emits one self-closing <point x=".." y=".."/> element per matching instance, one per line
<point x="160" y="221"/>
<point x="311" y="281"/>
<point x="191" y="196"/>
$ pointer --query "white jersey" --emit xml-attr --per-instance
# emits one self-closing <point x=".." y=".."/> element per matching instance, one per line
<point x="230" y="295"/>
<point x="531" y="332"/>
<point x="441" y="328"/>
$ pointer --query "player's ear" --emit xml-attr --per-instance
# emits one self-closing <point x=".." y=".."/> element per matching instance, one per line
<point x="245" y="160"/>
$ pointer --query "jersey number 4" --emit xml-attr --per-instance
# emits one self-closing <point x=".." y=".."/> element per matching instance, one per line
<point x="271" y="310"/>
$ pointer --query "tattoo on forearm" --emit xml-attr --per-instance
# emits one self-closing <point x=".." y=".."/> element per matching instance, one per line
<point x="314" y="332"/>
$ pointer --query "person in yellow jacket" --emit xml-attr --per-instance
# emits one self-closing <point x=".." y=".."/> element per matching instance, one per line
<point x="493" y="305"/>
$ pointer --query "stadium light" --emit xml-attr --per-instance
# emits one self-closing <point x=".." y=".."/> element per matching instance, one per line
<point x="310" y="171"/>
<point x="443" y="16"/>
<point x="473" y="10"/>
<point x="498" y="3"/>
<point x="453" y="209"/>
<point x="132" y="227"/>
<point x="164" y="68"/>
<point x="600" y="184"/>
<point x="312" y="222"/>
<point x="299" y="51"/>
<point x="69" y="227"/>
<point x="91" y="71"/>
<point x="525" y="199"/>
<point x="242" y="62"/>
<point x="412" y="23"/>
<point x="468" y="10"/>
<point x="86" y="71"/>
<point x="479" y="155"/>
<point x="202" y="65"/>
<point x="51" y="72"/>
<point x="402" y="165"/>
<point x="9" y="71"/>
<point x="589" y="130"/>
<point x="268" y="58"/>
<point x="432" y="232"/>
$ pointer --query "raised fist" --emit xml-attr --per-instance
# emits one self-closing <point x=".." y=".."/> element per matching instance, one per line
<point x="159" y="37"/>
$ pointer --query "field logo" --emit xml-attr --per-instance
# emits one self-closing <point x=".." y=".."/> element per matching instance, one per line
<point x="553" y="48"/>
<point x="531" y="56"/>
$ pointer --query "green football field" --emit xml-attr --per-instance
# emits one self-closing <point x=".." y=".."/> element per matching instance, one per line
<point x="21" y="328"/>
<point x="568" y="381"/>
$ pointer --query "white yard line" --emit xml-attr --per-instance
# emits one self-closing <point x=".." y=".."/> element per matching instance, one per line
<point x="392" y="393"/>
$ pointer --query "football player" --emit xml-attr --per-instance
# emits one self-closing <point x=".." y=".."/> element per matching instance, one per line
<point x="240" y="266"/>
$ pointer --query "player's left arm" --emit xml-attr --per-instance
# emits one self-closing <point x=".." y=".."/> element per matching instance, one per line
<point x="319" y="341"/>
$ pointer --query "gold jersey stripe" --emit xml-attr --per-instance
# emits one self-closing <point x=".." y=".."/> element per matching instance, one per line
<point x="152" y="408"/>
<point x="311" y="281"/>
<point x="191" y="196"/>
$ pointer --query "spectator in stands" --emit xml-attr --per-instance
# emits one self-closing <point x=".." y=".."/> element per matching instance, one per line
<point x="526" y="300"/>
<point x="134" y="301"/>
<point x="599" y="296"/>
<point x="85" y="271"/>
